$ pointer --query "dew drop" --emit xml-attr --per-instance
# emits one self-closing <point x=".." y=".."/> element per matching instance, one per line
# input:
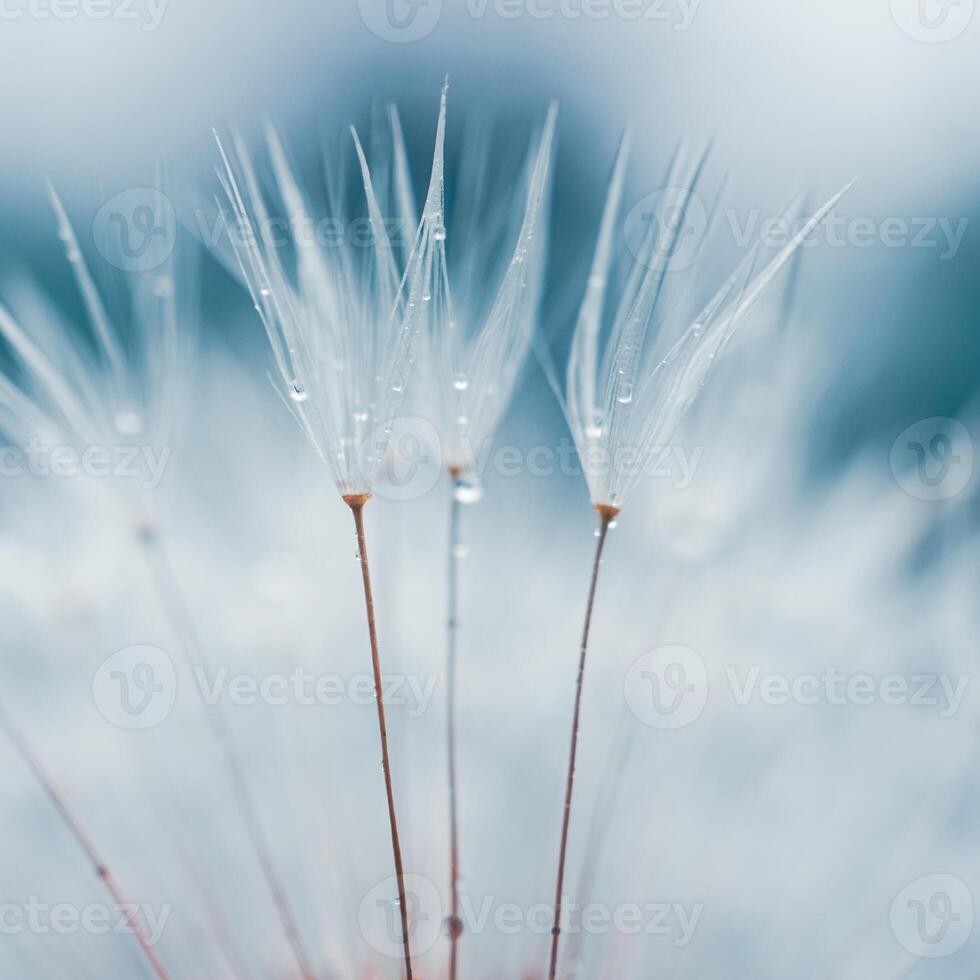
<point x="625" y="395"/>
<point x="396" y="387"/>
<point x="264" y="291"/>
<point x="467" y="490"/>
<point x="361" y="416"/>
<point x="439" y="233"/>
<point x="426" y="296"/>
<point x="462" y="421"/>
<point x="460" y="551"/>
<point x="460" y="382"/>
<point x="297" y="392"/>
<point x="128" y="422"/>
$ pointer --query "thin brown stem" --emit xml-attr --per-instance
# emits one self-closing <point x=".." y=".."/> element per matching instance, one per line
<point x="356" y="503"/>
<point x="175" y="605"/>
<point x="452" y="629"/>
<point x="606" y="515"/>
<point x="77" y="831"/>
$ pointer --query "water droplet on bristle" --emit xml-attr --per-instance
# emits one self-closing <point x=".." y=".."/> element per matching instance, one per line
<point x="625" y="394"/>
<point x="297" y="392"/>
<point x="439" y="233"/>
<point x="467" y="489"/>
<point x="460" y="383"/>
<point x="128" y="422"/>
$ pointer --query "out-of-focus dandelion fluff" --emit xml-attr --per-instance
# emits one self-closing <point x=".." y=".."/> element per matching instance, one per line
<point x="624" y="398"/>
<point x="122" y="386"/>
<point x="128" y="392"/>
<point x="343" y="329"/>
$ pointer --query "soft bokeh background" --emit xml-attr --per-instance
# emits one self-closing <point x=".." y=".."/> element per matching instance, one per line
<point x="794" y="829"/>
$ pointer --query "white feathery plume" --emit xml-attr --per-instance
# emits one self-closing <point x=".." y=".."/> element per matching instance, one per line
<point x="343" y="325"/>
<point x="626" y="396"/>
<point x="480" y="305"/>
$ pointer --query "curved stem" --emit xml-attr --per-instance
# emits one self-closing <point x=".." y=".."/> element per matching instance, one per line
<point x="606" y="516"/>
<point x="84" y="841"/>
<point x="175" y="605"/>
<point x="452" y="629"/>
<point x="356" y="503"/>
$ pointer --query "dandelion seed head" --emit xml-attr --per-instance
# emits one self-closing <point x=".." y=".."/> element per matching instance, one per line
<point x="481" y="299"/>
<point x="629" y="366"/>
<point x="342" y="321"/>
